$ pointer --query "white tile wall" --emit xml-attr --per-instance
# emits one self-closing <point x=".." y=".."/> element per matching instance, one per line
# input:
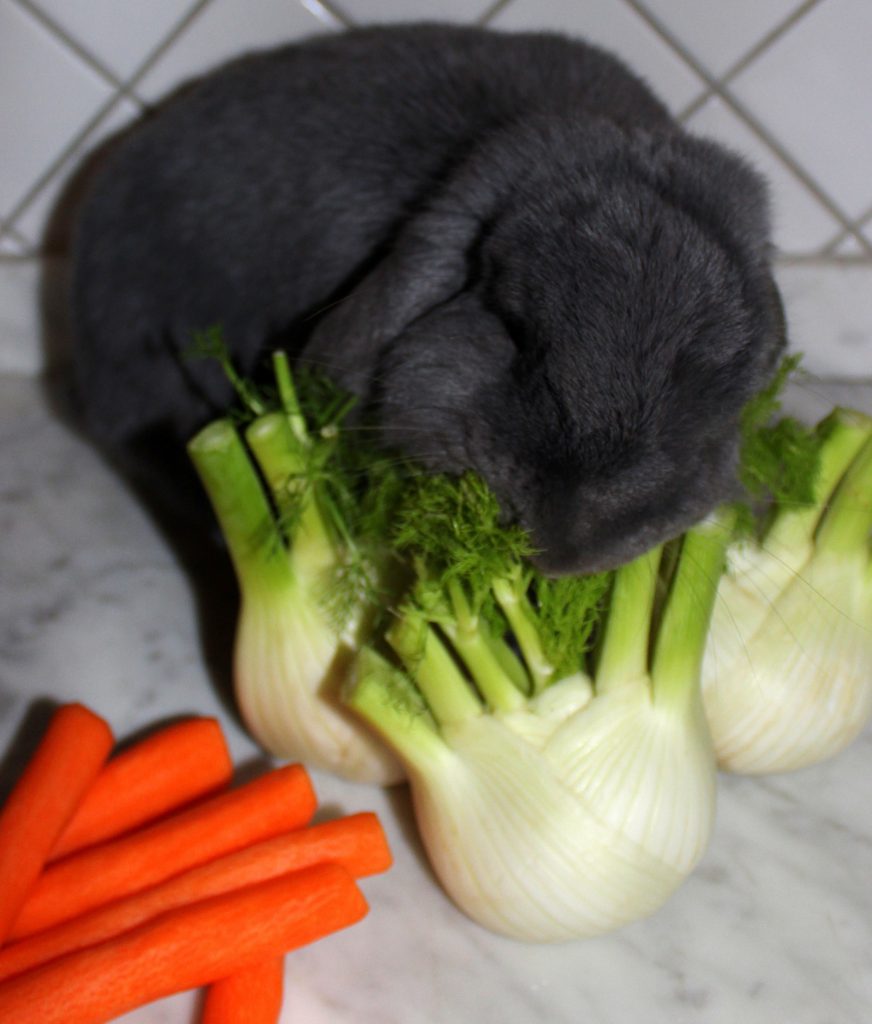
<point x="828" y="316"/>
<point x="362" y="11"/>
<point x="801" y="222"/>
<point x="35" y="214"/>
<point x="850" y="246"/>
<point x="720" y="34"/>
<point x="224" y="29"/>
<point x="813" y="90"/>
<point x="787" y="82"/>
<point x="47" y="96"/>
<point x="119" y="34"/>
<point x="11" y="246"/>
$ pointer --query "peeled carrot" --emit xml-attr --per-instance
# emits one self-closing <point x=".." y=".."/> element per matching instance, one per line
<point x="356" y="842"/>
<point x="185" y="948"/>
<point x="252" y="996"/>
<point x="281" y="800"/>
<point x="160" y="773"/>
<point x="67" y="760"/>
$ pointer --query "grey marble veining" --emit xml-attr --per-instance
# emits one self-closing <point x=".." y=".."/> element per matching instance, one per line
<point x="775" y="927"/>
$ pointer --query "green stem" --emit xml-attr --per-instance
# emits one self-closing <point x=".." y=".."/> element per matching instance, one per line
<point x="511" y="596"/>
<point x="510" y="664"/>
<point x="623" y="654"/>
<point x="429" y="663"/>
<point x="847" y="523"/>
<point x="844" y="433"/>
<point x="460" y="606"/>
<point x="284" y="464"/>
<point x="281" y="458"/>
<point x="384" y="697"/>
<point x="498" y="691"/>
<point x="211" y="343"/>
<point x="681" y="638"/>
<point x="288" y="397"/>
<point x="470" y="637"/>
<point x="257" y="551"/>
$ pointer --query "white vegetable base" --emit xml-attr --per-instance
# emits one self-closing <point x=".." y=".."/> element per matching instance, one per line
<point x="775" y="925"/>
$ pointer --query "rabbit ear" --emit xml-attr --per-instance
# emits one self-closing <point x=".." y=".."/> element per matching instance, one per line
<point x="426" y="267"/>
<point x="721" y="189"/>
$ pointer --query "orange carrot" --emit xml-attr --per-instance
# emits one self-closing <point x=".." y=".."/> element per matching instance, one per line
<point x="67" y="760"/>
<point x="252" y="996"/>
<point x="160" y="773"/>
<point x="281" y="800"/>
<point x="185" y="948"/>
<point x="356" y="842"/>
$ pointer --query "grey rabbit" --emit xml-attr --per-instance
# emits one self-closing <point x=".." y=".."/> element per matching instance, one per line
<point x="502" y="242"/>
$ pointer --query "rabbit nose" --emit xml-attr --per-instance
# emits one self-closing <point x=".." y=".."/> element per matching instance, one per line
<point x="595" y="536"/>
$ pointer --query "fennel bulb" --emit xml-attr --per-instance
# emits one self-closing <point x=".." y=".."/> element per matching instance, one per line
<point x="563" y="807"/>
<point x="292" y="649"/>
<point x="787" y="674"/>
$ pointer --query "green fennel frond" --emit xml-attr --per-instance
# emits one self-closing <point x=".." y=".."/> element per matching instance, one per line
<point x="568" y="610"/>
<point x="779" y="456"/>
<point x="455" y="526"/>
<point x="211" y="344"/>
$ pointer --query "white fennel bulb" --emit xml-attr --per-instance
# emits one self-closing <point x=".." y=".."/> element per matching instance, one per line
<point x="581" y="806"/>
<point x="787" y="673"/>
<point x="293" y="647"/>
<point x="290" y="663"/>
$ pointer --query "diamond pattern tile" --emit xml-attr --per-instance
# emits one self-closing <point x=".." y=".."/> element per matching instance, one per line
<point x="851" y="246"/>
<point x="718" y="34"/>
<point x="46" y="96"/>
<point x="120" y="34"/>
<point x="800" y="222"/>
<point x="813" y="92"/>
<point x="34" y="217"/>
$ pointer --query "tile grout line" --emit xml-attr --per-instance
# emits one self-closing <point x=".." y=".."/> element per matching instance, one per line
<point x="801" y="259"/>
<point x="328" y="7"/>
<point x="102" y="112"/>
<point x="796" y="169"/>
<point x="492" y="11"/>
<point x="829" y="248"/>
<point x="94" y="121"/>
<point x="760" y="47"/>
<point x="751" y="122"/>
<point x="718" y="89"/>
<point x="7" y="231"/>
<point x="70" y="42"/>
<point x="859" y="225"/>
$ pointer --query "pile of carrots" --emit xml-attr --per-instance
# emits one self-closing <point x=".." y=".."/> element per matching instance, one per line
<point x="128" y="878"/>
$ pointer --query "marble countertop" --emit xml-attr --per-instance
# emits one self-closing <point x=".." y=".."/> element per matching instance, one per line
<point x="775" y="926"/>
